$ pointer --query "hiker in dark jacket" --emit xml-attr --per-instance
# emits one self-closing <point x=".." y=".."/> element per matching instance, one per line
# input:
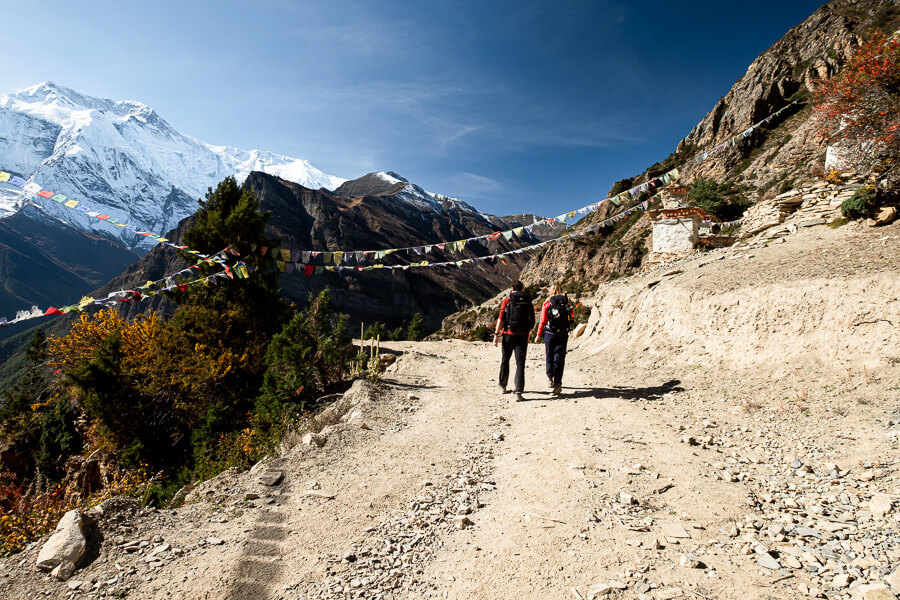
<point x="556" y="314"/>
<point x="514" y="325"/>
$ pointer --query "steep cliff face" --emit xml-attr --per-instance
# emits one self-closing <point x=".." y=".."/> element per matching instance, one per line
<point x="788" y="71"/>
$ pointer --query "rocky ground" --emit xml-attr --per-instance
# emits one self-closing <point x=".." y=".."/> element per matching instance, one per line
<point x="652" y="476"/>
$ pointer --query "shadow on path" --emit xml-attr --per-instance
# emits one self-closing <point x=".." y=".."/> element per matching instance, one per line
<point x="260" y="565"/>
<point x="630" y="393"/>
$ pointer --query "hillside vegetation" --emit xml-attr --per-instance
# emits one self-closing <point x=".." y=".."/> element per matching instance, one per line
<point x="161" y="403"/>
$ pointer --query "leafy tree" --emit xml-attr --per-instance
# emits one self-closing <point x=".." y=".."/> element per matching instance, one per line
<point x="620" y="186"/>
<point x="416" y="330"/>
<point x="862" y="102"/>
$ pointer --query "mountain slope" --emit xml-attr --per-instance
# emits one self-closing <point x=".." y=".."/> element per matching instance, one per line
<point x="121" y="157"/>
<point x="780" y="154"/>
<point x="787" y="71"/>
<point x="306" y="219"/>
<point x="45" y="264"/>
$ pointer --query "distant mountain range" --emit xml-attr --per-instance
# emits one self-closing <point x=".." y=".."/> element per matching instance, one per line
<point x="122" y="158"/>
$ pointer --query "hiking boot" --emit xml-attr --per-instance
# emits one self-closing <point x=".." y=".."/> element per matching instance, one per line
<point x="557" y="390"/>
<point x="519" y="397"/>
<point x="550" y="383"/>
<point x="502" y="389"/>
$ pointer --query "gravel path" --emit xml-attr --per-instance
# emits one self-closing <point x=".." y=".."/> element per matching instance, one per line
<point x="658" y="481"/>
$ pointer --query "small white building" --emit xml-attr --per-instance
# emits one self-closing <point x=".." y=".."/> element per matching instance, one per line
<point x="676" y="230"/>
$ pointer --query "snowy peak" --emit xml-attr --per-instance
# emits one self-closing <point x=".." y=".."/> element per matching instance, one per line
<point x="390" y="184"/>
<point x="391" y="177"/>
<point x="122" y="158"/>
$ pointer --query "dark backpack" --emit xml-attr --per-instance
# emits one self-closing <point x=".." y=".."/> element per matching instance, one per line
<point x="558" y="314"/>
<point x="519" y="314"/>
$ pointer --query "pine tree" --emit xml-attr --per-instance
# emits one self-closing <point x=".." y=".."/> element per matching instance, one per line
<point x="416" y="329"/>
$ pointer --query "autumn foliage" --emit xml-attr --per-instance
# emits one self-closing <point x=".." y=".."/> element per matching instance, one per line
<point x="862" y="102"/>
<point x="167" y="401"/>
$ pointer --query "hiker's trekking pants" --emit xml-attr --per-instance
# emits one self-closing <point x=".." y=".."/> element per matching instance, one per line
<point x="555" y="347"/>
<point x="508" y="345"/>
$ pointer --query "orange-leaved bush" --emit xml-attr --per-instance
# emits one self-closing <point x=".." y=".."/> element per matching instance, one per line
<point x="862" y="102"/>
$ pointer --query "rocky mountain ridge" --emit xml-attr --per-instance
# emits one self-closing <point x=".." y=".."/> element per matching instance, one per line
<point x="319" y="220"/>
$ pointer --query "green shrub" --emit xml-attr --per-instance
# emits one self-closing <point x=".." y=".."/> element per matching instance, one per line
<point x="307" y="359"/>
<point x="858" y="205"/>
<point x="416" y="329"/>
<point x="376" y="330"/>
<point x="482" y="333"/>
<point x="718" y="200"/>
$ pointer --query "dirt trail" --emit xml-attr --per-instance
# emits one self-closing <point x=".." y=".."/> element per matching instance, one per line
<point x="444" y="488"/>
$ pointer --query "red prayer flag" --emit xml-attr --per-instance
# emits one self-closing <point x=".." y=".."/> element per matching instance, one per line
<point x="44" y="194"/>
<point x="103" y="217"/>
<point x="53" y="311"/>
<point x="308" y="270"/>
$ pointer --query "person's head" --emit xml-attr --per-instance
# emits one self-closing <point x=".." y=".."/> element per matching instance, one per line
<point x="555" y="289"/>
<point x="517" y="286"/>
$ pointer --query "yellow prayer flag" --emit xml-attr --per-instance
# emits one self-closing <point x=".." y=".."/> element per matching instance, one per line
<point x="4" y="176"/>
<point x="280" y="264"/>
<point x="71" y="203"/>
<point x="285" y="255"/>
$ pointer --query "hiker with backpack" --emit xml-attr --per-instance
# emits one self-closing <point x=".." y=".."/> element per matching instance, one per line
<point x="514" y="325"/>
<point x="556" y="314"/>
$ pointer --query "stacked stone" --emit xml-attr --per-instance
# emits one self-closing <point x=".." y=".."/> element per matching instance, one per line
<point x="806" y="206"/>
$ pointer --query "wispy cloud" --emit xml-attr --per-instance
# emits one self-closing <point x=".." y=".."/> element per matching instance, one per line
<point x="473" y="180"/>
<point x="459" y="133"/>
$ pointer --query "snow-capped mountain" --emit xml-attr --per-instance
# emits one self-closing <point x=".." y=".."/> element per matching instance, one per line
<point x="388" y="183"/>
<point x="122" y="159"/>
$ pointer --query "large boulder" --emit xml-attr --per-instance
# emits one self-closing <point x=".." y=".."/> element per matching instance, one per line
<point x="64" y="548"/>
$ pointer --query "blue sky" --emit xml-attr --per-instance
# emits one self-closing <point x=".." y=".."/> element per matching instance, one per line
<point x="512" y="106"/>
